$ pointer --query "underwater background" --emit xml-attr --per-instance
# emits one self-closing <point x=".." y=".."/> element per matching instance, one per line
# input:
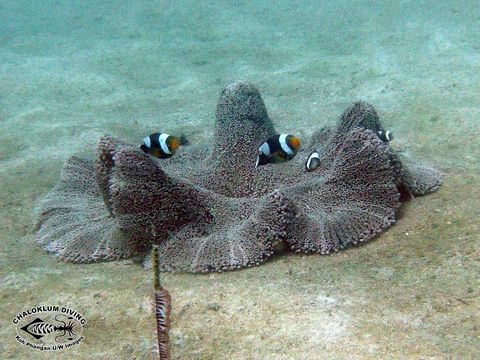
<point x="73" y="71"/>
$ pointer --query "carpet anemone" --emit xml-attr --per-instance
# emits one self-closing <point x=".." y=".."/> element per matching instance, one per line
<point x="210" y="209"/>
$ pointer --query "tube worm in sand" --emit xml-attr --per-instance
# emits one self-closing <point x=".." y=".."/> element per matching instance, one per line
<point x="163" y="306"/>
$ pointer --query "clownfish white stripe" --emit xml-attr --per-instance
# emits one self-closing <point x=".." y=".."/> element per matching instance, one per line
<point x="162" y="140"/>
<point x="264" y="149"/>
<point x="283" y="143"/>
<point x="310" y="158"/>
<point x="147" y="142"/>
<point x="387" y="135"/>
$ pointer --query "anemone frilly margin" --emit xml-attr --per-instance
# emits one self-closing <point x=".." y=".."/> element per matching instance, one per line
<point x="212" y="210"/>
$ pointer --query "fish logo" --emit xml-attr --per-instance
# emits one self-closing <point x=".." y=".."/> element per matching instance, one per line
<point x="49" y="328"/>
<point x="39" y="328"/>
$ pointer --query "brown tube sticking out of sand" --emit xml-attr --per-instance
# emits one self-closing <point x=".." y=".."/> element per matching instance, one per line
<point x="163" y="307"/>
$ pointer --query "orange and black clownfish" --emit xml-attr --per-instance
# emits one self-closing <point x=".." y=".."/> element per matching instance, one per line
<point x="278" y="149"/>
<point x="385" y="135"/>
<point x="160" y="145"/>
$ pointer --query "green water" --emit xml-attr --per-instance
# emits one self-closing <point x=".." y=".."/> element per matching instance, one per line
<point x="73" y="71"/>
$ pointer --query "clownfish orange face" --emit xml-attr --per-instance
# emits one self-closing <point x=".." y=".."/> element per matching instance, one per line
<point x="173" y="144"/>
<point x="293" y="142"/>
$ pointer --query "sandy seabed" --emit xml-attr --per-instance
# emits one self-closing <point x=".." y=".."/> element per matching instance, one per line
<point x="70" y="72"/>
